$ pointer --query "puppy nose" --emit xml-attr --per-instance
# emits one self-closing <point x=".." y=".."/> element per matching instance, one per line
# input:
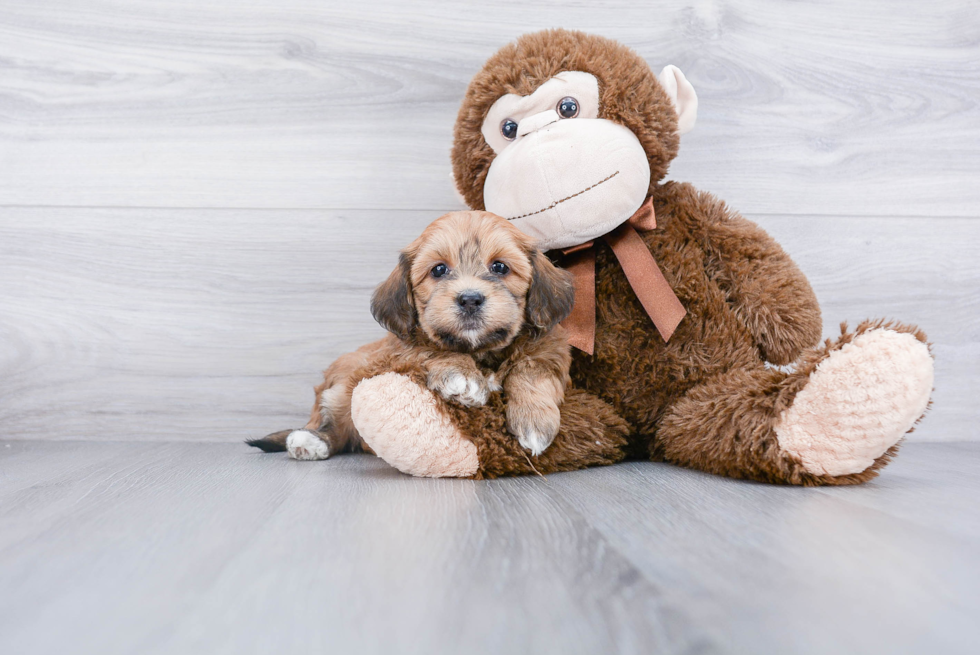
<point x="470" y="301"/>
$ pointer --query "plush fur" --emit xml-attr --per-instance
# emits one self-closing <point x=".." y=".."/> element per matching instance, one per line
<point x="421" y="434"/>
<point x="709" y="399"/>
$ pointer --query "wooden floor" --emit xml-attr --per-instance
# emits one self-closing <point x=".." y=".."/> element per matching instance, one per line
<point x="215" y="548"/>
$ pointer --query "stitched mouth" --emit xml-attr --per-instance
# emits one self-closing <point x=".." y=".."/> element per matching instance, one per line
<point x="574" y="195"/>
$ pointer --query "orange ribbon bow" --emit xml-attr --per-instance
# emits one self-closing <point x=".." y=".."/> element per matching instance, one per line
<point x="645" y="277"/>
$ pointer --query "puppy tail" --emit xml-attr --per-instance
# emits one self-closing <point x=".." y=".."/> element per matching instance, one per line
<point x="271" y="443"/>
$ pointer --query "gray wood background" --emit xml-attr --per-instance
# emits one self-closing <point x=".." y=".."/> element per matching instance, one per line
<point x="196" y="199"/>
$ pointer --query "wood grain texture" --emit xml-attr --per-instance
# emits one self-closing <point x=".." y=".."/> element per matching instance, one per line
<point x="171" y="548"/>
<point x="803" y="570"/>
<point x="829" y="107"/>
<point x="215" y="324"/>
<point x="174" y="548"/>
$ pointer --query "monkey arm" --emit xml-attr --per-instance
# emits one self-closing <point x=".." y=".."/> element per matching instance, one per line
<point x="767" y="290"/>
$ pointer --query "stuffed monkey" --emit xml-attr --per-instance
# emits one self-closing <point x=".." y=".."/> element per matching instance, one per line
<point x="690" y="321"/>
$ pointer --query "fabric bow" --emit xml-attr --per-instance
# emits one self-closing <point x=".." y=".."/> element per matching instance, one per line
<point x="645" y="277"/>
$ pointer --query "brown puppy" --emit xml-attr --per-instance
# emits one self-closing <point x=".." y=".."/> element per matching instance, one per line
<point x="474" y="306"/>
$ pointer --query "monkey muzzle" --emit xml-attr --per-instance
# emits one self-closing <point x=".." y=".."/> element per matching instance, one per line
<point x="567" y="182"/>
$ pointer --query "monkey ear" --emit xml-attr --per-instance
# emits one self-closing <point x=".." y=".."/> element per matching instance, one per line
<point x="682" y="95"/>
<point x="391" y="304"/>
<point x="552" y="293"/>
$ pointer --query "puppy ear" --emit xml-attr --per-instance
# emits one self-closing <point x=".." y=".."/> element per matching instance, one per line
<point x="552" y="293"/>
<point x="391" y="304"/>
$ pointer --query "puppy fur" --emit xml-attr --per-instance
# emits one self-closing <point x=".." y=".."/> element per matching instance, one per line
<point x="473" y="307"/>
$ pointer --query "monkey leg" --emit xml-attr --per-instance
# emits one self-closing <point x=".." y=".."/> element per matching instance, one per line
<point x="419" y="433"/>
<point x="837" y="419"/>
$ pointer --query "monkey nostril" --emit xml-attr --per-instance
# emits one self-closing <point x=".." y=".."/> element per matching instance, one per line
<point x="470" y="301"/>
<point x="537" y="121"/>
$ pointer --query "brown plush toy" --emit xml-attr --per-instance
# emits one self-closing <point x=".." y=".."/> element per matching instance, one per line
<point x="682" y="309"/>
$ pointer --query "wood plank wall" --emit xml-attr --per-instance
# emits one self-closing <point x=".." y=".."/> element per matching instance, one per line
<point x="196" y="199"/>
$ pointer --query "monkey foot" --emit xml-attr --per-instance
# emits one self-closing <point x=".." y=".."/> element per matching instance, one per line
<point x="402" y="423"/>
<point x="859" y="402"/>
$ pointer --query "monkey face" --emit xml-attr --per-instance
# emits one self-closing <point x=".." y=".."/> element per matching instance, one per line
<point x="565" y="133"/>
<point x="562" y="174"/>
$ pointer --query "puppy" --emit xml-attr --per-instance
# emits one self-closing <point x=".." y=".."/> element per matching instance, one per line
<point x="474" y="306"/>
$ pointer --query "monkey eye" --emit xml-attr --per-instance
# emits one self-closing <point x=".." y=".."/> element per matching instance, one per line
<point x="439" y="270"/>
<point x="509" y="129"/>
<point x="568" y="107"/>
<point x="499" y="268"/>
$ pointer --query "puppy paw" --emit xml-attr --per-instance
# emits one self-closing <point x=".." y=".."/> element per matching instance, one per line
<point x="494" y="383"/>
<point x="305" y="445"/>
<point x="469" y="388"/>
<point x="535" y="428"/>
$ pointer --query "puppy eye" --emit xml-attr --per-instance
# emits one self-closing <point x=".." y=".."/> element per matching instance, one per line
<point x="499" y="268"/>
<point x="509" y="129"/>
<point x="568" y="107"/>
<point x="439" y="270"/>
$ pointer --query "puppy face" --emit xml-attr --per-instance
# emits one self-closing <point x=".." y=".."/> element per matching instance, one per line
<point x="470" y="282"/>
